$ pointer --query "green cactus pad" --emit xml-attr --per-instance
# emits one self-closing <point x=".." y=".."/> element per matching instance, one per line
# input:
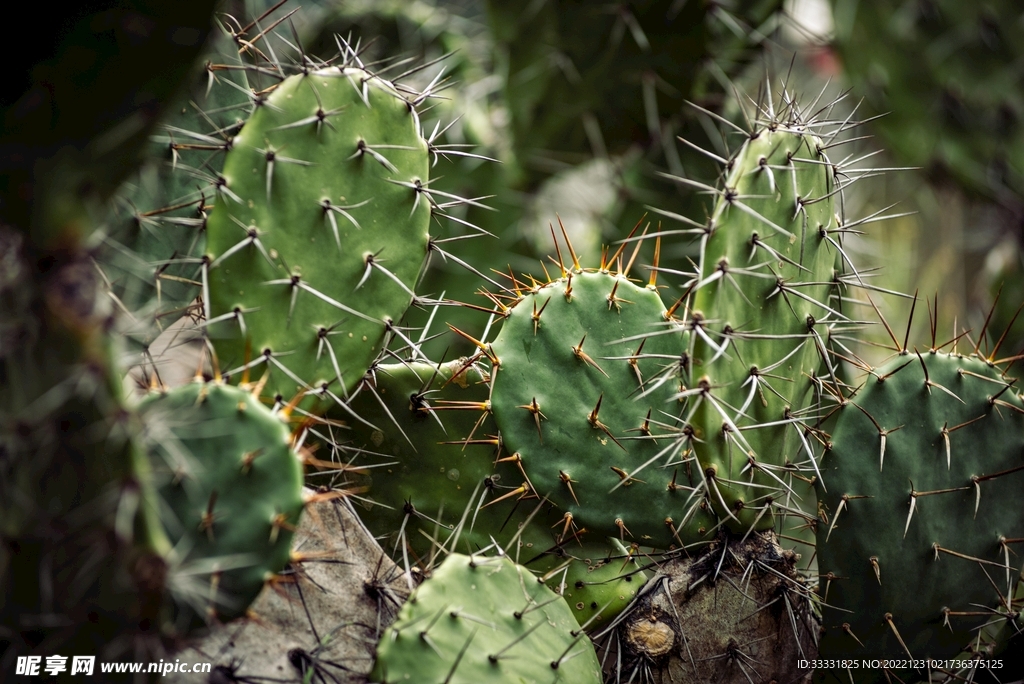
<point x="428" y="488"/>
<point x="319" y="231"/>
<point x="599" y="583"/>
<point x="232" y="491"/>
<point x="924" y="479"/>
<point x="484" y="619"/>
<point x="577" y="453"/>
<point x="761" y="295"/>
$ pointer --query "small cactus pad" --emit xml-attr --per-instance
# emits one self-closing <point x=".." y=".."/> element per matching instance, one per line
<point x="231" y="486"/>
<point x="759" y="310"/>
<point x="484" y="619"/>
<point x="924" y="477"/>
<point x="588" y="369"/>
<point x="416" y="494"/>
<point x="599" y="583"/>
<point x="319" y="231"/>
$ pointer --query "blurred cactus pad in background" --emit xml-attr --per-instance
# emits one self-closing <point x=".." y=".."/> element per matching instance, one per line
<point x="549" y="341"/>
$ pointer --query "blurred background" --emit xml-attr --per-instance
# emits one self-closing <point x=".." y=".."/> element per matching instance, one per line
<point x="576" y="110"/>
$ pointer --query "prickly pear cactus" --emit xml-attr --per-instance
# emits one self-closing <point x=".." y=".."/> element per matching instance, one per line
<point x="321" y="625"/>
<point x="480" y="618"/>
<point x="924" y="476"/>
<point x="587" y="371"/>
<point x="231" y="486"/>
<point x="319" y="231"/>
<point x="759" y="315"/>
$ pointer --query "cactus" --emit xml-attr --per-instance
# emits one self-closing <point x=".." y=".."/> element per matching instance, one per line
<point x="231" y="486"/>
<point x="439" y="497"/>
<point x="597" y="432"/>
<point x="480" y="618"/>
<point x="924" y="473"/>
<point x="320" y="230"/>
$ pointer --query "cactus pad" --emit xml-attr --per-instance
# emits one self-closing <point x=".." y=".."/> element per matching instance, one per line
<point x="319" y="231"/>
<point x="232" y="490"/>
<point x="484" y="619"/>
<point x="924" y="479"/>
<point x="415" y="494"/>
<point x="759" y="303"/>
<point x="585" y="393"/>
